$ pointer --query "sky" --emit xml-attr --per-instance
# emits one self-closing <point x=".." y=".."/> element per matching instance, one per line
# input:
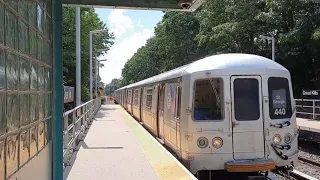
<point x="131" y="28"/>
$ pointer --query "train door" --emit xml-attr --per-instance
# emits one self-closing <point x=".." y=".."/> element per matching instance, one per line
<point x="141" y="103"/>
<point x="121" y="93"/>
<point x="160" y="111"/>
<point x="126" y="99"/>
<point x="247" y="117"/>
<point x="131" y="101"/>
<point x="154" y="109"/>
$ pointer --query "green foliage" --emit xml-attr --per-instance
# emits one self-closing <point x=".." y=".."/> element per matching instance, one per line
<point x="85" y="94"/>
<point x="110" y="88"/>
<point x="89" y="21"/>
<point x="172" y="46"/>
<point x="228" y="26"/>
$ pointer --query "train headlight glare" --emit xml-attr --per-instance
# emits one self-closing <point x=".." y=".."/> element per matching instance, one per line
<point x="202" y="142"/>
<point x="276" y="139"/>
<point x="287" y="138"/>
<point x="217" y="142"/>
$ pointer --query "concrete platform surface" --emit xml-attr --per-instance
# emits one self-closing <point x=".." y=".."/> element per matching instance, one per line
<point x="117" y="147"/>
<point x="308" y="124"/>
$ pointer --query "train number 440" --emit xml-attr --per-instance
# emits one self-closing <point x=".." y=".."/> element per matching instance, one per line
<point x="280" y="111"/>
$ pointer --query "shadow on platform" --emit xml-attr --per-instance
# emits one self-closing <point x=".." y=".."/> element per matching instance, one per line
<point x="85" y="146"/>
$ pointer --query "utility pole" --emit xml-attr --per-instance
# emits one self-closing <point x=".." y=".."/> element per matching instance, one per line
<point x="91" y="65"/>
<point x="90" y="36"/>
<point x="96" y="73"/>
<point x="273" y="45"/>
<point x="78" y="58"/>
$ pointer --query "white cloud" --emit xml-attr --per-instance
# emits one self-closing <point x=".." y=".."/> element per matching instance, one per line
<point x="119" y="23"/>
<point x="140" y="23"/>
<point x="120" y="52"/>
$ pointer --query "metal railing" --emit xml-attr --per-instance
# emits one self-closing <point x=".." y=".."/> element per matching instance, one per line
<point x="76" y="122"/>
<point x="308" y="108"/>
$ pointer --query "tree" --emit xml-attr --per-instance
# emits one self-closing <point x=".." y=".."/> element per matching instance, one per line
<point x="235" y="26"/>
<point x="174" y="45"/>
<point x="297" y="24"/>
<point x="114" y="85"/>
<point x="231" y="26"/>
<point x="89" y="22"/>
<point x="175" y="40"/>
<point x="228" y="26"/>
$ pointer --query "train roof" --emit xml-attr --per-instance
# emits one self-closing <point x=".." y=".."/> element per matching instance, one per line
<point x="215" y="62"/>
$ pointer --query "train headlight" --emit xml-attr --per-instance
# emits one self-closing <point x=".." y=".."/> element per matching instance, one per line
<point x="276" y="139"/>
<point x="287" y="138"/>
<point x="202" y="142"/>
<point x="217" y="142"/>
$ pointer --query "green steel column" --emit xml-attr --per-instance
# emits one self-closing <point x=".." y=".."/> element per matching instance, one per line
<point x="57" y="125"/>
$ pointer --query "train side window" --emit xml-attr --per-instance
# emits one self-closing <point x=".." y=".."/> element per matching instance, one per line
<point x="178" y="103"/>
<point x="279" y="98"/>
<point x="208" y="100"/>
<point x="149" y="99"/>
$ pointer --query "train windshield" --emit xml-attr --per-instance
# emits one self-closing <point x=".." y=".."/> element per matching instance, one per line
<point x="279" y="98"/>
<point x="208" y="99"/>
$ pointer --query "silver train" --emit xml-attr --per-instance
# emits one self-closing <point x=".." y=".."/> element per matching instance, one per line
<point x="232" y="112"/>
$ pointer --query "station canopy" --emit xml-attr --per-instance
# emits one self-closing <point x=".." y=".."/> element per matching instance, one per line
<point x="164" y="5"/>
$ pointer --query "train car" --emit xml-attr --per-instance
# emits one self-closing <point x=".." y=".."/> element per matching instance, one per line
<point x="232" y="112"/>
<point x="101" y="92"/>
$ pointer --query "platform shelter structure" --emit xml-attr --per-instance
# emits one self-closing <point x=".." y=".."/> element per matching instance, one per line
<point x="31" y="83"/>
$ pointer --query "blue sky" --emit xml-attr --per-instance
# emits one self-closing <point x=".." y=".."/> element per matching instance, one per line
<point x="131" y="28"/>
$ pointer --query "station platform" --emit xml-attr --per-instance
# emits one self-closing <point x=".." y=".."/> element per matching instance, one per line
<point x="308" y="124"/>
<point x="117" y="147"/>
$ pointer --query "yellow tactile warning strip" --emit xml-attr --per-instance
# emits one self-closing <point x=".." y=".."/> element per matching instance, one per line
<point x="166" y="167"/>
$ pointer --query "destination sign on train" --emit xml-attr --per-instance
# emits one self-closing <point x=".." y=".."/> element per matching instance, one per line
<point x="279" y="98"/>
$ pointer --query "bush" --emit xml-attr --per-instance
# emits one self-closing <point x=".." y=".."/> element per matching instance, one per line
<point x="85" y="94"/>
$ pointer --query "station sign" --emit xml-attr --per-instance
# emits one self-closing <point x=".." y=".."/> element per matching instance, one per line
<point x="315" y="94"/>
<point x="68" y="94"/>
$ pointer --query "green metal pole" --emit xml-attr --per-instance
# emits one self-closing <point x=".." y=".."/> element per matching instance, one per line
<point x="57" y="116"/>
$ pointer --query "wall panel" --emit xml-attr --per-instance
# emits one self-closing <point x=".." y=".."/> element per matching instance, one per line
<point x="25" y="83"/>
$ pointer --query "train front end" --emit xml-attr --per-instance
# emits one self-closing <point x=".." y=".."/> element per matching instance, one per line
<point x="241" y="120"/>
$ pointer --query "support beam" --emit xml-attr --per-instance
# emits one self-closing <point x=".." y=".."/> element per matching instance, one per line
<point x="96" y="74"/>
<point x="273" y="45"/>
<point x="99" y="74"/>
<point x="90" y="65"/>
<point x="163" y="5"/>
<point x="78" y="58"/>
<point x="91" y="34"/>
<point x="57" y="115"/>
<point x="273" y="49"/>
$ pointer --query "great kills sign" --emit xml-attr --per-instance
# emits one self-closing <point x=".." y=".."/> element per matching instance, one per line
<point x="314" y="94"/>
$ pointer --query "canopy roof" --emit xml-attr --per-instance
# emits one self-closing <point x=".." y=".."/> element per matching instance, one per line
<point x="164" y="5"/>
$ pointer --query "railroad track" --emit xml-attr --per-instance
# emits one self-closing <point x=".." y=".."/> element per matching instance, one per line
<point x="213" y="175"/>
<point x="309" y="161"/>
<point x="295" y="175"/>
<point x="292" y="175"/>
<point x="305" y="140"/>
